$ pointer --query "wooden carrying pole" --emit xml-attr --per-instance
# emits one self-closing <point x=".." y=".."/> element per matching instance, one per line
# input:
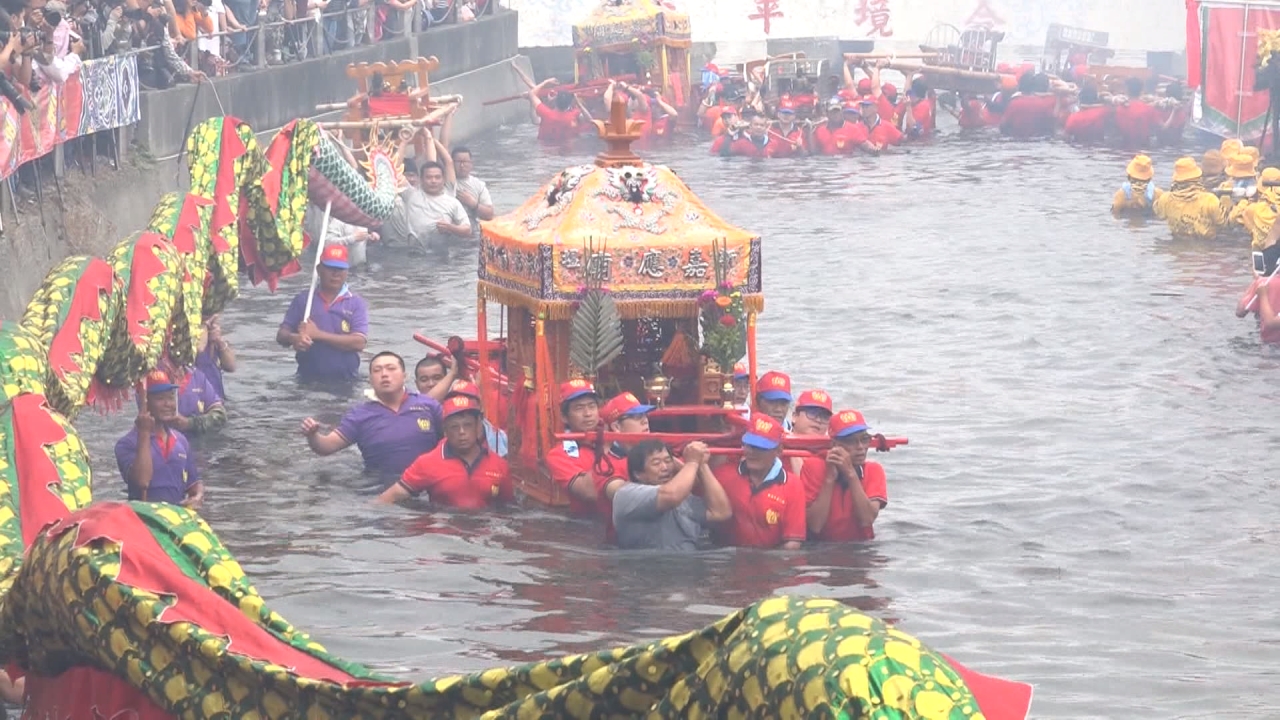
<point x="858" y="57"/>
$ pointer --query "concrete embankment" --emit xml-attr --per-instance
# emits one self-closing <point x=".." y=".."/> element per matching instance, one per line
<point x="91" y="213"/>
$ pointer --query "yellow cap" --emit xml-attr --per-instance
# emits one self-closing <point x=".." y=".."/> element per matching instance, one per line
<point x="1242" y="166"/>
<point x="1140" y="168"/>
<point x="1186" y="169"/>
<point x="1230" y="147"/>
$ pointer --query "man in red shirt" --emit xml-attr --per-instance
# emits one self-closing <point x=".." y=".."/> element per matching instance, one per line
<point x="790" y="136"/>
<point x="1136" y="121"/>
<point x="754" y="141"/>
<point x="768" y="502"/>
<point x="1171" y="131"/>
<point x="839" y="135"/>
<point x="1032" y="112"/>
<point x="880" y="134"/>
<point x="622" y="414"/>
<point x="844" y="502"/>
<point x="887" y="102"/>
<point x="460" y="472"/>
<point x="571" y="463"/>
<point x="1089" y="124"/>
<point x="811" y="417"/>
<point x="558" y="122"/>
<point x="919" y="111"/>
<point x="773" y="396"/>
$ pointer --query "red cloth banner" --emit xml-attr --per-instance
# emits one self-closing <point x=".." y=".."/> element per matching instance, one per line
<point x="1231" y="107"/>
<point x="1194" y="58"/>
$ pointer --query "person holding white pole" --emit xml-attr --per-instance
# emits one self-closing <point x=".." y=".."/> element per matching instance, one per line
<point x="328" y="325"/>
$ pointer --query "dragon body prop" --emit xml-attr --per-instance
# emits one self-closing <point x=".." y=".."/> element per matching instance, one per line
<point x="137" y="610"/>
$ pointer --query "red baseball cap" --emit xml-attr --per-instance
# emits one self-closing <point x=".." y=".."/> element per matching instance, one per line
<point x="740" y="371"/>
<point x="814" y="399"/>
<point x="335" y="256"/>
<point x="575" y="389"/>
<point x="787" y="106"/>
<point x="774" y="385"/>
<point x="465" y="388"/>
<point x="459" y="404"/>
<point x="846" y="423"/>
<point x="158" y="381"/>
<point x="864" y="86"/>
<point x="764" y="433"/>
<point x="622" y="405"/>
<point x="889" y="89"/>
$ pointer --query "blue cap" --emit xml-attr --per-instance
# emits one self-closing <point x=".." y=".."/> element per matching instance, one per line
<point x="759" y="441"/>
<point x="776" y="395"/>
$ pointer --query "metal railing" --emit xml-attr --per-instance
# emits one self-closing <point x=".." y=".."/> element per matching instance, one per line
<point x="290" y="40"/>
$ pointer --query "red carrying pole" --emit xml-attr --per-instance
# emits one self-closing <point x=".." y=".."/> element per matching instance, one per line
<point x="472" y="365"/>
<point x="809" y="443"/>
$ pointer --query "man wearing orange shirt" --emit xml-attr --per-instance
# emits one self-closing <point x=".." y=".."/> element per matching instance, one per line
<point x="768" y="502"/>
<point x="843" y="503"/>
<point x="460" y="472"/>
<point x="571" y="463"/>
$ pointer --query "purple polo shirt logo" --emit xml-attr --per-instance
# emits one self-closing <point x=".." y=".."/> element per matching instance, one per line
<point x="424" y="424"/>
<point x="346" y="326"/>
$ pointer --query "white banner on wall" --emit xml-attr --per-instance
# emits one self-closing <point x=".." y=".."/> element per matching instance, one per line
<point x="1132" y="25"/>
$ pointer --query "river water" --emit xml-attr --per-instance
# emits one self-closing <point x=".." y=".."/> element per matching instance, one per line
<point x="1086" y="504"/>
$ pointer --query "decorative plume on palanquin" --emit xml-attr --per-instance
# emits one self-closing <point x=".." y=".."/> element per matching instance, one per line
<point x="137" y="610"/>
<point x="651" y="239"/>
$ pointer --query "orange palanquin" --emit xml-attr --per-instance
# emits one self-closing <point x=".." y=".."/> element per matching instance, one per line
<point x="639" y="231"/>
<point x="645" y="42"/>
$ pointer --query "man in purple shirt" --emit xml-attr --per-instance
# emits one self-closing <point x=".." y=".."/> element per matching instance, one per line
<point x="328" y="345"/>
<point x="200" y="407"/>
<point x="391" y="431"/>
<point x="154" y="458"/>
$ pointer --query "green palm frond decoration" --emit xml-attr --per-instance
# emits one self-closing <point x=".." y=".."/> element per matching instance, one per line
<point x="595" y="333"/>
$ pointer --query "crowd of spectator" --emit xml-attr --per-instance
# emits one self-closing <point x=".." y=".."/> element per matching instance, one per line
<point x="45" y="41"/>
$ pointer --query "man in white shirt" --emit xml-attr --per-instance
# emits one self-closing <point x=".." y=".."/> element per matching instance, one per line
<point x="470" y="190"/>
<point x="433" y="217"/>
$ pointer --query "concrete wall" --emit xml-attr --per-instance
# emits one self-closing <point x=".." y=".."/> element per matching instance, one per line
<point x="94" y="212"/>
<point x="269" y="98"/>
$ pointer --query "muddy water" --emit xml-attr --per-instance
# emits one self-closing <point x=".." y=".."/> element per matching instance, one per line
<point x="1087" y="502"/>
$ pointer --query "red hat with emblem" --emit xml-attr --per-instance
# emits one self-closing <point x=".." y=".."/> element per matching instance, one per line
<point x="889" y="89"/>
<point x="740" y="371"/>
<point x="814" y="399"/>
<point x="335" y="256"/>
<point x="774" y="385"/>
<point x="787" y="105"/>
<point x="158" y="381"/>
<point x="621" y="406"/>
<point x="846" y="423"/>
<point x="575" y="389"/>
<point x="764" y="433"/>
<point x="464" y="387"/>
<point x="864" y="86"/>
<point x="459" y="404"/>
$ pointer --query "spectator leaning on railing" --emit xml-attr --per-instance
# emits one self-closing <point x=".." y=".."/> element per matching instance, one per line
<point x="159" y="67"/>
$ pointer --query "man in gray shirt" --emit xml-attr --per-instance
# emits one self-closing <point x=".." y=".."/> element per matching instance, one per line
<point x="657" y="509"/>
<point x="430" y="217"/>
<point x="470" y="190"/>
